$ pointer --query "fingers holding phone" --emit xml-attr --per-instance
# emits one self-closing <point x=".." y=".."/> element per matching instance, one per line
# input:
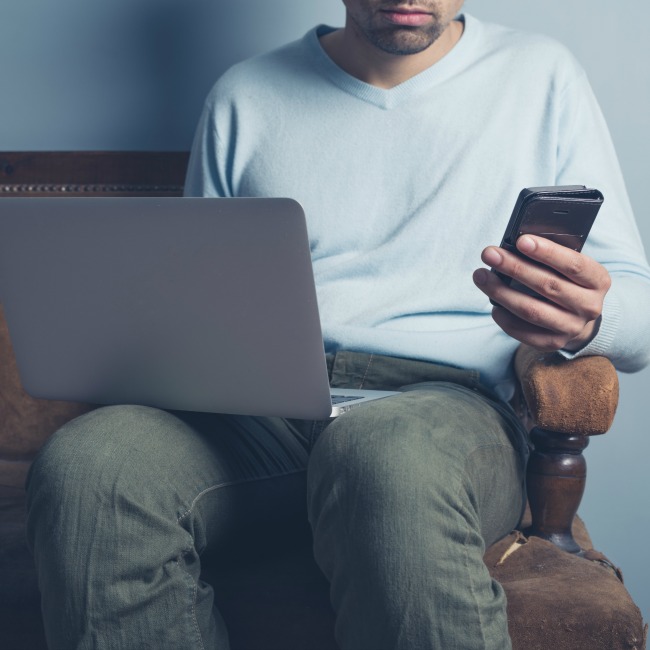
<point x="554" y="297"/>
<point x="546" y="293"/>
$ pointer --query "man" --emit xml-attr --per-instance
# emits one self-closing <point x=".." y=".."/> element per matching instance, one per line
<point x="407" y="136"/>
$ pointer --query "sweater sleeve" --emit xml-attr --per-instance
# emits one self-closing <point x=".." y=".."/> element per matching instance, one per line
<point x="586" y="155"/>
<point x="205" y="171"/>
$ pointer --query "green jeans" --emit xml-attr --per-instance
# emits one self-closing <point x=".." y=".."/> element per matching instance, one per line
<point x="403" y="496"/>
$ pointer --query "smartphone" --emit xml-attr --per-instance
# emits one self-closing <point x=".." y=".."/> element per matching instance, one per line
<point x="562" y="213"/>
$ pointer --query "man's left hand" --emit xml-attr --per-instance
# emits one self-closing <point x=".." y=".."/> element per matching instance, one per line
<point x="573" y="284"/>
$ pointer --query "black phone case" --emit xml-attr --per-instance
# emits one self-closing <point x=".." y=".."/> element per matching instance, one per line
<point x="561" y="213"/>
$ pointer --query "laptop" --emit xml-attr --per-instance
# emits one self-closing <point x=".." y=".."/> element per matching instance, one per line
<point x="197" y="304"/>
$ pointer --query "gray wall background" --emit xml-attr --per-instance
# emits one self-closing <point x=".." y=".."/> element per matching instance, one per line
<point x="132" y="74"/>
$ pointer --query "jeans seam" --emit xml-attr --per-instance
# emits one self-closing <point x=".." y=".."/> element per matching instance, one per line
<point x="365" y="374"/>
<point x="193" y="595"/>
<point x="467" y="567"/>
<point x="469" y="532"/>
<point x="218" y="486"/>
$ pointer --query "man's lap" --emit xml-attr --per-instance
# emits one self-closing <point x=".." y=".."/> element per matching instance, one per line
<point x="185" y="483"/>
<point x="197" y="455"/>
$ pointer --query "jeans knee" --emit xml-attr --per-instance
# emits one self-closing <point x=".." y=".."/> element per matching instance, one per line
<point x="90" y="457"/>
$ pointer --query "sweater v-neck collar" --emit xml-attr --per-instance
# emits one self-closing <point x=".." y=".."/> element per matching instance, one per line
<point x="392" y="97"/>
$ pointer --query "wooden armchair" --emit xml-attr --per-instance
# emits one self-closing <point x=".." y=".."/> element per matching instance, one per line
<point x="561" y="593"/>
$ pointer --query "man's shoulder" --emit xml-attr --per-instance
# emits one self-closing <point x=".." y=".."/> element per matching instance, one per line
<point x="525" y="48"/>
<point x="284" y="64"/>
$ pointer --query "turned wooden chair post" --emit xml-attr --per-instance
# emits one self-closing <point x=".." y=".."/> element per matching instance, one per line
<point x="557" y="473"/>
<point x="565" y="402"/>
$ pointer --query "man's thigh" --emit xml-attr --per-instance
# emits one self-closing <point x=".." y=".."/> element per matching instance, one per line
<point x="436" y="440"/>
<point x="220" y="470"/>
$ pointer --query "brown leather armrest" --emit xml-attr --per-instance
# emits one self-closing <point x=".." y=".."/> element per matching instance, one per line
<point x="576" y="396"/>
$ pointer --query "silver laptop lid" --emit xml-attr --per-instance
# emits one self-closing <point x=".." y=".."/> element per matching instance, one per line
<point x="197" y="304"/>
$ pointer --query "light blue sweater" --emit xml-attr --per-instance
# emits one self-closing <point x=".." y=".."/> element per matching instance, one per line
<point x="403" y="188"/>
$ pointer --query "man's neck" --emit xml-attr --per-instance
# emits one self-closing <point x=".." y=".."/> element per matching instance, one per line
<point x="359" y="58"/>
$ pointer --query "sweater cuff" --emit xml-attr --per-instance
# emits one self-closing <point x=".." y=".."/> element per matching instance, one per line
<point x="607" y="330"/>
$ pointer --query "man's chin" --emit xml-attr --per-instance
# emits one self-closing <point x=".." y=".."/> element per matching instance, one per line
<point x="404" y="44"/>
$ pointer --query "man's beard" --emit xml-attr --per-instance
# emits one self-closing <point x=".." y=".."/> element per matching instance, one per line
<point x="401" y="40"/>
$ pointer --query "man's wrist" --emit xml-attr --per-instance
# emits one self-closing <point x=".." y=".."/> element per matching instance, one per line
<point x="587" y="335"/>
